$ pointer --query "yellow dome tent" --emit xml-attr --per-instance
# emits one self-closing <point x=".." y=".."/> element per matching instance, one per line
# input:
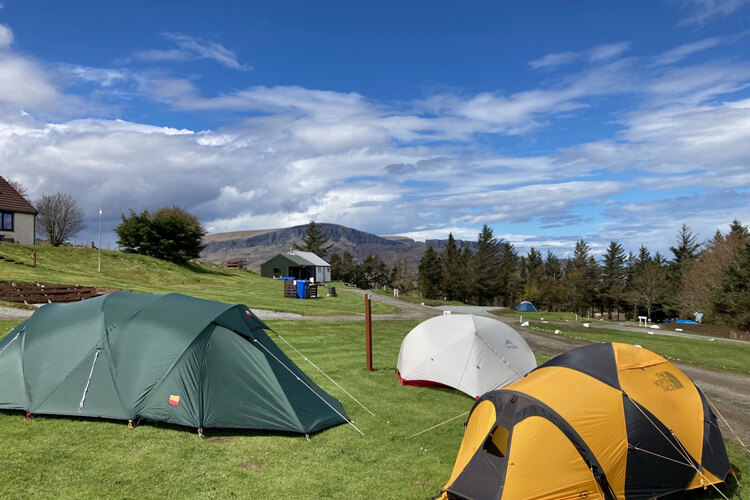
<point x="604" y="421"/>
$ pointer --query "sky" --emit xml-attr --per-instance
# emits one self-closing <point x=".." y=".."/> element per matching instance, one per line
<point x="548" y="121"/>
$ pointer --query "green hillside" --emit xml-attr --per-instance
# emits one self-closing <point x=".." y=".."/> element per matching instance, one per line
<point x="123" y="271"/>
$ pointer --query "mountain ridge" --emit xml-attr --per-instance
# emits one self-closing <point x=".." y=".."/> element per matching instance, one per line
<point x="257" y="246"/>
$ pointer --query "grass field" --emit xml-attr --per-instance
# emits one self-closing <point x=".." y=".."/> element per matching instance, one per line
<point x="716" y="355"/>
<point x="67" y="265"/>
<point x="79" y="458"/>
<point x="419" y="300"/>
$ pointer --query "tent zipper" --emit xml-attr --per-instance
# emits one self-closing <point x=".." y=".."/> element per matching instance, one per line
<point x="88" y="382"/>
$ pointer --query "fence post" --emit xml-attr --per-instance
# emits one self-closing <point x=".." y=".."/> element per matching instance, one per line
<point x="368" y="333"/>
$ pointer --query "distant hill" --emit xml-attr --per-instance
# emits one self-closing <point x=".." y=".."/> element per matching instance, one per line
<point x="257" y="246"/>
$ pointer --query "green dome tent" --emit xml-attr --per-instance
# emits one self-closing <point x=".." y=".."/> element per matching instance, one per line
<point x="169" y="358"/>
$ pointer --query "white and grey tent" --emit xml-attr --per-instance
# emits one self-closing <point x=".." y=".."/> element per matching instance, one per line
<point x="473" y="354"/>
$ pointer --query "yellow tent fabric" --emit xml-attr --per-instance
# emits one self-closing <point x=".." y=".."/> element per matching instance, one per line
<point x="606" y="421"/>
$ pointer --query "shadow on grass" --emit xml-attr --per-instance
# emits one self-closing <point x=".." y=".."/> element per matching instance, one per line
<point x="203" y="269"/>
<point x="216" y="435"/>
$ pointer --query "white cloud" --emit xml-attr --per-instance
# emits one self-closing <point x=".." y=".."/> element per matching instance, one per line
<point x="6" y="37"/>
<point x="104" y="77"/>
<point x="554" y="59"/>
<point x="604" y="52"/>
<point x="24" y="83"/>
<point x="422" y="168"/>
<point x="679" y="53"/>
<point x="701" y="12"/>
<point x="593" y="55"/>
<point x="190" y="48"/>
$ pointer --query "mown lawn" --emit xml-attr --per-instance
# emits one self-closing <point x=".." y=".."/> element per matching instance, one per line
<point x="420" y="300"/>
<point x="711" y="354"/>
<point x="67" y="265"/>
<point x="75" y="458"/>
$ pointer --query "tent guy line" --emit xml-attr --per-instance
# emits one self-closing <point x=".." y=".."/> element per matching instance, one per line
<point x="324" y="373"/>
<point x="349" y="421"/>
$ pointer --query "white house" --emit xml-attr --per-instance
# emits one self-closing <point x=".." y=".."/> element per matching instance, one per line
<point x="17" y="216"/>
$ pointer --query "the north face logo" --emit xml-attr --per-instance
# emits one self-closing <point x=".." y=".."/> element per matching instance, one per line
<point x="510" y="345"/>
<point x="667" y="382"/>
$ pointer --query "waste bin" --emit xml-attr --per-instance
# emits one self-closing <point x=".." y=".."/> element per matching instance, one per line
<point x="303" y="289"/>
<point x="332" y="291"/>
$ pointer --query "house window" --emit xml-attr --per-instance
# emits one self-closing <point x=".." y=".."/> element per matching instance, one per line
<point x="6" y="221"/>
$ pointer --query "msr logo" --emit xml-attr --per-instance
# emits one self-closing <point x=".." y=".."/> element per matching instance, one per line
<point x="510" y="345"/>
<point x="667" y="382"/>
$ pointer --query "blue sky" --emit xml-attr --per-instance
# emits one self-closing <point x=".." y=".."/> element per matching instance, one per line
<point x="549" y="121"/>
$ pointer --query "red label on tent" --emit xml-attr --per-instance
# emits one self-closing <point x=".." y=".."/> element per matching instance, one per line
<point x="174" y="400"/>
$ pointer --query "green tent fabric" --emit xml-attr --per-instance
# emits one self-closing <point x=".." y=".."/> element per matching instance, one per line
<point x="169" y="358"/>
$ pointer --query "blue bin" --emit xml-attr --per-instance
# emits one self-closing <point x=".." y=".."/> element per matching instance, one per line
<point x="303" y="289"/>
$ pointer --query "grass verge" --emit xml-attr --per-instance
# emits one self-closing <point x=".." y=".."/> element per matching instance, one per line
<point x="711" y="354"/>
<point x="67" y="265"/>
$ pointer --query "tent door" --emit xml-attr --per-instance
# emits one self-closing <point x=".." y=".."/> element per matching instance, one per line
<point x="88" y="381"/>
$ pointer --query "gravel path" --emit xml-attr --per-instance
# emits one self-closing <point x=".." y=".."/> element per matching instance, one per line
<point x="14" y="314"/>
<point x="729" y="392"/>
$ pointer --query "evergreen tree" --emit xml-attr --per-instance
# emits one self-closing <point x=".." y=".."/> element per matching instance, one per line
<point x="429" y="274"/>
<point x="612" y="282"/>
<point x="643" y="258"/>
<point x="485" y="268"/>
<point x="347" y="268"/>
<point x="580" y="279"/>
<point x="510" y="284"/>
<point x="552" y="266"/>
<point x="372" y="273"/>
<point x="315" y="241"/>
<point x="170" y="233"/>
<point x="534" y="265"/>
<point x="732" y="302"/>
<point x="453" y="277"/>
<point x="335" y="261"/>
<point x="685" y="254"/>
<point x="532" y="275"/>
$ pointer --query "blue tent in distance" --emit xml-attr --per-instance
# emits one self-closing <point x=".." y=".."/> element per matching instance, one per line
<point x="526" y="306"/>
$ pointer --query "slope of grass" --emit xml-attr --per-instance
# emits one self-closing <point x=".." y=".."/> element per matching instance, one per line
<point x="420" y="300"/>
<point x="716" y="355"/>
<point x="67" y="265"/>
<point x="78" y="458"/>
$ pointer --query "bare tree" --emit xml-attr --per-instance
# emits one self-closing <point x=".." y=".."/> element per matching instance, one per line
<point x="20" y="188"/>
<point x="59" y="217"/>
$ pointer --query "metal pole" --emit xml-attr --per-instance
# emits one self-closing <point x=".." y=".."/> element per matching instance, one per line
<point x="368" y="332"/>
<point x="99" y="268"/>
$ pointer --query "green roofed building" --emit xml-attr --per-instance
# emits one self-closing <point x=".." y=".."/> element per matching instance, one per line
<point x="297" y="264"/>
<point x="169" y="358"/>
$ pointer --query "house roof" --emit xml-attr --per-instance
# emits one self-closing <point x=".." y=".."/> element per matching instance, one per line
<point x="303" y="258"/>
<point x="11" y="201"/>
<point x="311" y="258"/>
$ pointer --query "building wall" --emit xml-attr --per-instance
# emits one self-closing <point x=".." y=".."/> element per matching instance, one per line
<point x="23" y="229"/>
<point x="281" y="262"/>
<point x="322" y="274"/>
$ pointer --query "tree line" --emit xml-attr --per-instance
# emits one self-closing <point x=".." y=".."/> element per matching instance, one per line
<point x="712" y="278"/>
